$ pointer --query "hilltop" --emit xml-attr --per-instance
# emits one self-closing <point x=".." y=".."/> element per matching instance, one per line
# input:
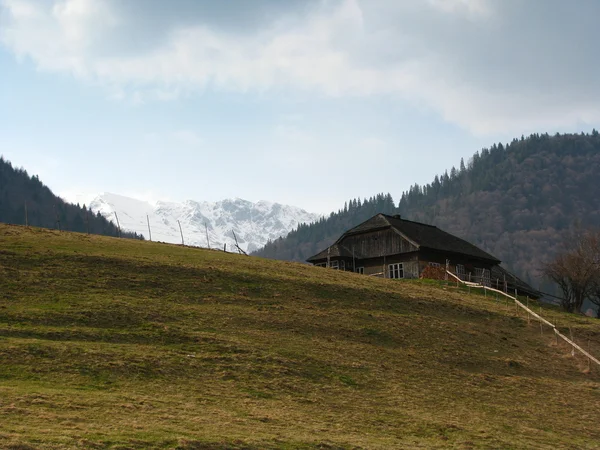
<point x="25" y="200"/>
<point x="114" y="343"/>
<point x="515" y="201"/>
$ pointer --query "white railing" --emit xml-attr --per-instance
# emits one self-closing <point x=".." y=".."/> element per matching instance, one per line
<point x="532" y="313"/>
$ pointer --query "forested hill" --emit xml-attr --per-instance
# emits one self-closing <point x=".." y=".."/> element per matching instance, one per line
<point x="309" y="239"/>
<point x="514" y="201"/>
<point x="19" y="191"/>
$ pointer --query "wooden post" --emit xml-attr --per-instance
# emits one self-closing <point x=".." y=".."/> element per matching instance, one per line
<point x="149" y="231"/>
<point x="26" y="218"/>
<point x="447" y="270"/>
<point x="118" y="225"/>
<point x="240" y="251"/>
<point x="589" y="360"/>
<point x="181" y="231"/>
<point x="57" y="218"/>
<point x="353" y="260"/>
<point x="328" y="253"/>
<point x="207" y="240"/>
<point x="225" y="247"/>
<point x="572" y="340"/>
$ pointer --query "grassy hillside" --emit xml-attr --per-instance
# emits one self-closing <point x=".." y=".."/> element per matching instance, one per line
<point x="108" y="343"/>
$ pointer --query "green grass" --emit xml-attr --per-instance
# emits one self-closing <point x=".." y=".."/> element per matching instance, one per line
<point x="120" y="344"/>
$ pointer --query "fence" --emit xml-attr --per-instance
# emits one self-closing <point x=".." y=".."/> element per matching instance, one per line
<point x="175" y="232"/>
<point x="557" y="333"/>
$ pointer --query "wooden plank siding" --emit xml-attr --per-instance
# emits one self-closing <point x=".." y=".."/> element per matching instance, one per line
<point x="378" y="243"/>
<point x="410" y="262"/>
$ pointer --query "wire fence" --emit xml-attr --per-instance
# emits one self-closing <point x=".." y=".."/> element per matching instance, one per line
<point x="531" y="313"/>
<point x="174" y="233"/>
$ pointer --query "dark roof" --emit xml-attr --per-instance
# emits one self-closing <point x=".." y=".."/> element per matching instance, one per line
<point x="432" y="237"/>
<point x="374" y="223"/>
<point x="422" y="235"/>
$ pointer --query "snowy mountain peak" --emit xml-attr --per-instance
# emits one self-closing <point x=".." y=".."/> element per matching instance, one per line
<point x="253" y="223"/>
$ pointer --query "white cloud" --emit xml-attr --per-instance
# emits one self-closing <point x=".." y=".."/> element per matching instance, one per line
<point x="472" y="8"/>
<point x="188" y="137"/>
<point x="373" y="142"/>
<point x="293" y="133"/>
<point x="487" y="78"/>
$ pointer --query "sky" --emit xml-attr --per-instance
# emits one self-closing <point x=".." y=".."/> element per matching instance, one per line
<point x="303" y="102"/>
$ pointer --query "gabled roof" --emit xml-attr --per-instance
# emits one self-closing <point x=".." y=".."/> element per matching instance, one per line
<point x="420" y="234"/>
<point x="432" y="237"/>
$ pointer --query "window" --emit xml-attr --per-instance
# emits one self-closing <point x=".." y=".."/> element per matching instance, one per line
<point x="360" y="270"/>
<point x="334" y="265"/>
<point x="460" y="271"/>
<point x="396" y="270"/>
<point x="434" y="264"/>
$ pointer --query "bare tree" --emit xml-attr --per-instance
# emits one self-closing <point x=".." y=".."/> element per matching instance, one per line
<point x="576" y="269"/>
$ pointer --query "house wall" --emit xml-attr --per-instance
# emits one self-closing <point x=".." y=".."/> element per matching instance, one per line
<point x="380" y="265"/>
<point x="470" y="264"/>
<point x="378" y="243"/>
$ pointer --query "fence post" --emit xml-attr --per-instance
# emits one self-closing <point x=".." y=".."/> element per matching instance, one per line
<point x="572" y="340"/>
<point x="207" y="240"/>
<point x="118" y="225"/>
<point x="182" y="241"/>
<point x="149" y="232"/>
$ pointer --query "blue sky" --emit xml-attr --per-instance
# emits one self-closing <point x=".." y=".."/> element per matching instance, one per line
<point x="304" y="102"/>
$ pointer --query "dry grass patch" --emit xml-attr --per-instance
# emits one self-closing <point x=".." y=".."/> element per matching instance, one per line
<point x="108" y="343"/>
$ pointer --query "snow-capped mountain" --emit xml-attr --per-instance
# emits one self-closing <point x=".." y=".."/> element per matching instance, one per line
<point x="253" y="223"/>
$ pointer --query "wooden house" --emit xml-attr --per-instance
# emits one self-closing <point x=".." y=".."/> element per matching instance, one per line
<point x="392" y="247"/>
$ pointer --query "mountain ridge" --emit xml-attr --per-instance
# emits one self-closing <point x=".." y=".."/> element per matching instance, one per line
<point x="254" y="223"/>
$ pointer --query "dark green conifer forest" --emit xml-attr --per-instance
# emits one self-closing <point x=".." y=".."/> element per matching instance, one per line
<point x="25" y="198"/>
<point x="516" y="201"/>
